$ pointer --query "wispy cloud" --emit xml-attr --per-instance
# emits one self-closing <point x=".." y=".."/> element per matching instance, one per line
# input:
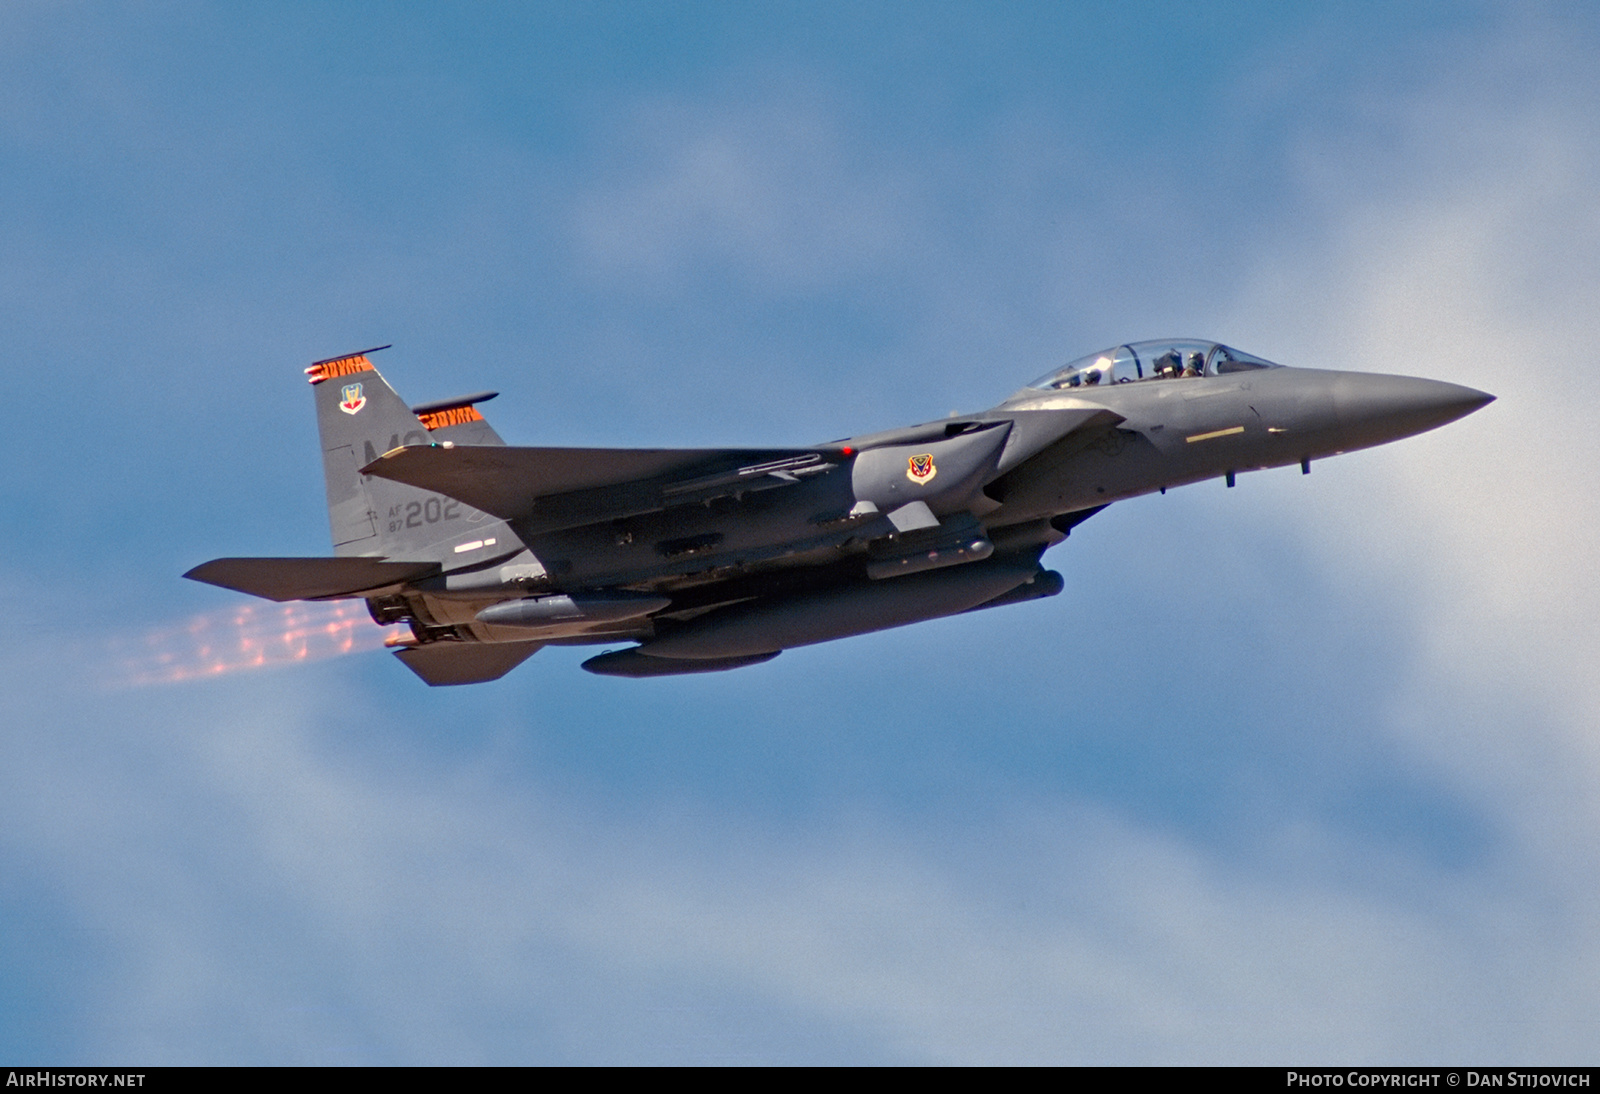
<point x="271" y="900"/>
<point x="772" y="188"/>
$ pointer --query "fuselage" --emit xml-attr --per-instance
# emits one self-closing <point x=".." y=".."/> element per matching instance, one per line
<point x="748" y="573"/>
<point x="712" y="559"/>
<point x="1182" y="430"/>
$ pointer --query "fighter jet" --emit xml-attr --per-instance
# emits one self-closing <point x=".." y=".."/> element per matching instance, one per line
<point x="707" y="559"/>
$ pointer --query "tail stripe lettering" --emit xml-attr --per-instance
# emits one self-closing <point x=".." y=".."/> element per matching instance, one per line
<point x="440" y="419"/>
<point x="343" y="366"/>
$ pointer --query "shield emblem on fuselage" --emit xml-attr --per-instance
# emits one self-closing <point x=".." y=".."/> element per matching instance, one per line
<point x="920" y="469"/>
<point x="353" y="399"/>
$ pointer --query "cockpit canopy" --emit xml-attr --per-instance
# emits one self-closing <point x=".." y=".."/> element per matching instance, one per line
<point x="1167" y="359"/>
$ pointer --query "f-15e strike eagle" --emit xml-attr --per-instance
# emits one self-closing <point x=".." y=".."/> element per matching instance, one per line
<point x="715" y="558"/>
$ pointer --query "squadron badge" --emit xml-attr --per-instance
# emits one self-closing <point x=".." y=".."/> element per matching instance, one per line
<point x="921" y="469"/>
<point x="353" y="399"/>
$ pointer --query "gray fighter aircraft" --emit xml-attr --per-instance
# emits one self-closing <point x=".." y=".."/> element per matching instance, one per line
<point x="709" y="559"/>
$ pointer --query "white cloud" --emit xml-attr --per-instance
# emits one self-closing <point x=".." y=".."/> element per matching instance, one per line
<point x="271" y="895"/>
<point x="768" y="189"/>
<point x="1474" y="259"/>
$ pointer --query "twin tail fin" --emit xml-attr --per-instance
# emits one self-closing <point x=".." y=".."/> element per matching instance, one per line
<point x="359" y="418"/>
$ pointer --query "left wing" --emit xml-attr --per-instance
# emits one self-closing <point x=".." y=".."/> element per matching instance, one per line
<point x="578" y="485"/>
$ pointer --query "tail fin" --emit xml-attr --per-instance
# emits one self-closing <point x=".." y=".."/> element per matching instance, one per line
<point x="457" y="420"/>
<point x="360" y="417"/>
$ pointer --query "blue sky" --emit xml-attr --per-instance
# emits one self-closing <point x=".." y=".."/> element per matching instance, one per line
<point x="1303" y="770"/>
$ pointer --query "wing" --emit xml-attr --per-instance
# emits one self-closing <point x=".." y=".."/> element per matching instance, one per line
<point x="442" y="664"/>
<point x="308" y="578"/>
<point x="562" y="487"/>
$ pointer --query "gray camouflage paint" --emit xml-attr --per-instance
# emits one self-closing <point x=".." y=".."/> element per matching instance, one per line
<point x="717" y="559"/>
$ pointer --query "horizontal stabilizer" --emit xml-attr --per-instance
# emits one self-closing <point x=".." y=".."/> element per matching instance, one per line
<point x="440" y="405"/>
<point x="307" y="578"/>
<point x="443" y="664"/>
<point x="507" y="482"/>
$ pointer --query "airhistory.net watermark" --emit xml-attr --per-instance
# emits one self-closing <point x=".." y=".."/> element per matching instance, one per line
<point x="48" y="1078"/>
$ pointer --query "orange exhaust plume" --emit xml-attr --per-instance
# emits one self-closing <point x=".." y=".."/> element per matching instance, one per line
<point x="250" y="637"/>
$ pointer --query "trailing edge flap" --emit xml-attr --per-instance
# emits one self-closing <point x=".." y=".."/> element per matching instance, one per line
<point x="507" y="482"/>
<point x="442" y="664"/>
<point x="1032" y="431"/>
<point x="307" y="578"/>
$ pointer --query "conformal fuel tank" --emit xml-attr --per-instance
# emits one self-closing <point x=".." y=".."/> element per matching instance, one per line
<point x="765" y="626"/>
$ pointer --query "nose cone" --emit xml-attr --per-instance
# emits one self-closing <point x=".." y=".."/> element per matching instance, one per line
<point x="1375" y="409"/>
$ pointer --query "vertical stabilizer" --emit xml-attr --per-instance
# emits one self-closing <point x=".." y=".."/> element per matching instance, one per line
<point x="360" y="417"/>
<point x="458" y="420"/>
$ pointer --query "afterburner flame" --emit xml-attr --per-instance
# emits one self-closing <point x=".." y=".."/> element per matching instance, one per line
<point x="250" y="637"/>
